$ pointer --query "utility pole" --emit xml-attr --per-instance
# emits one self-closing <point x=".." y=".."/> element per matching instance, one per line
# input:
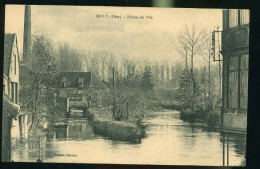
<point x="210" y="99"/>
<point x="113" y="71"/>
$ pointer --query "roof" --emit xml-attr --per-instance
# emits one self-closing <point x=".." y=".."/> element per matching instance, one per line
<point x="8" y="45"/>
<point x="87" y="78"/>
<point x="8" y="107"/>
<point x="72" y="78"/>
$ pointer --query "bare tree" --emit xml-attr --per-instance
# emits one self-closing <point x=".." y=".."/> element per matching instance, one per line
<point x="191" y="41"/>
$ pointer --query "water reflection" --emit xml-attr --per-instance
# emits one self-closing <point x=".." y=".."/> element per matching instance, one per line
<point x="75" y="129"/>
<point x="169" y="141"/>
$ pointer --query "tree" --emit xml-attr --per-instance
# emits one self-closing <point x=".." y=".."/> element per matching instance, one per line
<point x="191" y="40"/>
<point x="188" y="92"/>
<point x="146" y="83"/>
<point x="69" y="59"/>
<point x="37" y="78"/>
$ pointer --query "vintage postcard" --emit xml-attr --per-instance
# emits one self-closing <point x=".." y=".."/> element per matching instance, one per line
<point x="125" y="85"/>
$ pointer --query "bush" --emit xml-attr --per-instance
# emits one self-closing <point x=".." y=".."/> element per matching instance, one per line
<point x="211" y="118"/>
<point x="188" y="115"/>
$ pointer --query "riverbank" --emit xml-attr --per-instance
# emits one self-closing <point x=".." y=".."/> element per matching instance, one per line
<point x="118" y="130"/>
<point x="198" y="118"/>
<point x="203" y="118"/>
<point x="128" y="130"/>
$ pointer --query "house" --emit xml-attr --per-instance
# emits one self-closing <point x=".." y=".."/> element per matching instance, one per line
<point x="9" y="113"/>
<point x="82" y="91"/>
<point x="14" y="123"/>
<point x="235" y="51"/>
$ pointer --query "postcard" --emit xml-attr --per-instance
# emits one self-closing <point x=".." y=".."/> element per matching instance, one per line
<point x="125" y="85"/>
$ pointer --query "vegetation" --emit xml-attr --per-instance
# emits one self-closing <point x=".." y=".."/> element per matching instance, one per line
<point x="37" y="80"/>
<point x="135" y="86"/>
<point x="198" y="91"/>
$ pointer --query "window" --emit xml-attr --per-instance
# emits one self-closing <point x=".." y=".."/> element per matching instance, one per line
<point x="238" y="17"/>
<point x="233" y="82"/>
<point x="244" y="16"/>
<point x="13" y="92"/>
<point x="63" y="82"/>
<point x="14" y="64"/>
<point x="233" y="18"/>
<point x="75" y="97"/>
<point x="238" y="81"/>
<point x="80" y="97"/>
<point x="244" y="81"/>
<point x="80" y="82"/>
<point x="16" y="93"/>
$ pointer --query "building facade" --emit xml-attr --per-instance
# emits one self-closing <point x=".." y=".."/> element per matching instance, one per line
<point x="82" y="91"/>
<point x="14" y="123"/>
<point x="235" y="51"/>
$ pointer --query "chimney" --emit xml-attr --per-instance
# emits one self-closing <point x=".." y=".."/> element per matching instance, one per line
<point x="27" y="32"/>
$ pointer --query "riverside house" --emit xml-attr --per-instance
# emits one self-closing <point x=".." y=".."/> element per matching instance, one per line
<point x="235" y="51"/>
<point x="82" y="91"/>
<point x="14" y="123"/>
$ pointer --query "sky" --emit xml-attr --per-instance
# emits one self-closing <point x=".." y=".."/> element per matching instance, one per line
<point x="79" y="26"/>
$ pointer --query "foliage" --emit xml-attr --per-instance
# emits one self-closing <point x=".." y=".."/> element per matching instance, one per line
<point x="69" y="59"/>
<point x="211" y="118"/>
<point x="188" y="91"/>
<point x="37" y="78"/>
<point x="146" y="83"/>
<point x="132" y="95"/>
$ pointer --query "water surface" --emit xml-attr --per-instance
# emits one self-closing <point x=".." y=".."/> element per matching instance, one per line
<point x="169" y="141"/>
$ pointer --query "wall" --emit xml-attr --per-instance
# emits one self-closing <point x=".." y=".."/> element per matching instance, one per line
<point x="6" y="137"/>
<point x="14" y="77"/>
<point x="5" y="83"/>
<point x="238" y="121"/>
<point x="15" y="132"/>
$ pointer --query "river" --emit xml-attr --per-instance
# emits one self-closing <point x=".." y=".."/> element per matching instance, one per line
<point x="169" y="141"/>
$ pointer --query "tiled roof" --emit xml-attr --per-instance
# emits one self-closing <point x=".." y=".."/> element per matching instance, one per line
<point x="8" y="45"/>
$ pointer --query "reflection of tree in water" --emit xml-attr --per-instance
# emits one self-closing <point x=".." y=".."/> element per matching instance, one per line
<point x="239" y="143"/>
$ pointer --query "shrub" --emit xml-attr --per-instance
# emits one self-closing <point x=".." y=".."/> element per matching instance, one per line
<point x="188" y="116"/>
<point x="211" y="118"/>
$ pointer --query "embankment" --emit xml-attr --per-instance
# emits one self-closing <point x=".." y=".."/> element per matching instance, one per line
<point x="118" y="130"/>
